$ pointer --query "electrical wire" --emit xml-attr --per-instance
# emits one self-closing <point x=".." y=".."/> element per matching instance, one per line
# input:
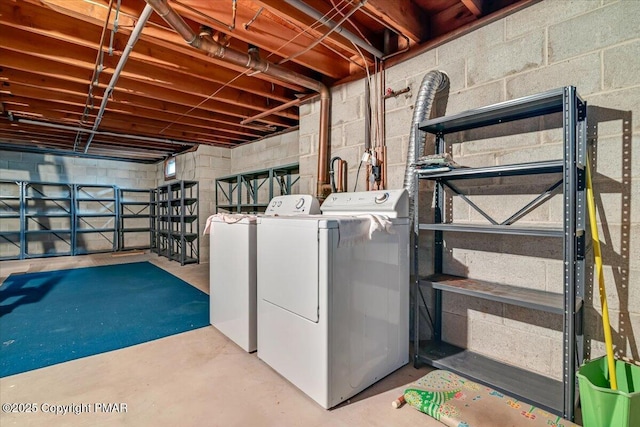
<point x="357" y="175"/>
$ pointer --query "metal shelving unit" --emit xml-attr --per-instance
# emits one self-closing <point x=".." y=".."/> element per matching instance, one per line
<point x="178" y="222"/>
<point x="47" y="226"/>
<point x="137" y="218"/>
<point x="42" y="219"/>
<point x="555" y="396"/>
<point x="162" y="221"/>
<point x="250" y="192"/>
<point x="96" y="218"/>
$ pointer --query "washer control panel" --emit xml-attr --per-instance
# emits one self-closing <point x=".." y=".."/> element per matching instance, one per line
<point x="392" y="203"/>
<point x="293" y="204"/>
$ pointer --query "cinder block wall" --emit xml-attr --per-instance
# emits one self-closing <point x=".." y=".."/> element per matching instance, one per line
<point x="203" y="165"/>
<point x="591" y="44"/>
<point x="278" y="150"/>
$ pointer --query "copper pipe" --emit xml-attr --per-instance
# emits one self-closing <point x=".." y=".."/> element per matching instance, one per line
<point x="384" y="167"/>
<point x="344" y="175"/>
<point x="368" y="175"/>
<point x="253" y="61"/>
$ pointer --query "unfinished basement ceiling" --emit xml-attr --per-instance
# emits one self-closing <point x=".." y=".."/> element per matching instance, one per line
<point x="57" y="60"/>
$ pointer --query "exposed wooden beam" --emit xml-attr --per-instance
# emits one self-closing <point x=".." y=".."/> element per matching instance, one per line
<point x="29" y="104"/>
<point x="477" y="7"/>
<point x="294" y="18"/>
<point x="146" y="56"/>
<point x="136" y="83"/>
<point x="403" y="15"/>
<point x="205" y="110"/>
<point x="127" y="88"/>
<point x="325" y="62"/>
<point x="275" y="37"/>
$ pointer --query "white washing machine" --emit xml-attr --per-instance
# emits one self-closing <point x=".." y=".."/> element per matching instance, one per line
<point x="333" y="306"/>
<point x="232" y="268"/>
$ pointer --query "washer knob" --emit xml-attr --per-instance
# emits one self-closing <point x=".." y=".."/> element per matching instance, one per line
<point x="382" y="198"/>
<point x="300" y="203"/>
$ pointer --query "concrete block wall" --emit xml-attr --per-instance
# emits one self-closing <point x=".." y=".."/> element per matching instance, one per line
<point x="203" y="165"/>
<point x="590" y="44"/>
<point x="278" y="150"/>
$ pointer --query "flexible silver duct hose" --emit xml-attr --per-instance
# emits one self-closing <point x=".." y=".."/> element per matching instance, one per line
<point x="432" y="83"/>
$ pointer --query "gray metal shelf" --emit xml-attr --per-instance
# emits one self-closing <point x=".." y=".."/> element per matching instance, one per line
<point x="555" y="396"/>
<point x="531" y="298"/>
<point x="96" y="213"/>
<point x="241" y="192"/>
<point x="519" y="383"/>
<point x="177" y="224"/>
<point x="533" y="168"/>
<point x="495" y="229"/>
<point x="517" y="109"/>
<point x="39" y="208"/>
<point x="136" y="206"/>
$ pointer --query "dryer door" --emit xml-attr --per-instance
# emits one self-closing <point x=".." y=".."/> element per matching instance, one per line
<point x="288" y="266"/>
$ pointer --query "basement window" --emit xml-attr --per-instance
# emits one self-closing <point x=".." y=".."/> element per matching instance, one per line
<point x="170" y="168"/>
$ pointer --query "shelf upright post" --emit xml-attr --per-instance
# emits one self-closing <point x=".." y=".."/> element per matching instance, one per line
<point x="440" y="205"/>
<point x="416" y="253"/>
<point x="23" y="219"/>
<point x="569" y="114"/>
<point x="581" y="226"/>
<point x="272" y="175"/>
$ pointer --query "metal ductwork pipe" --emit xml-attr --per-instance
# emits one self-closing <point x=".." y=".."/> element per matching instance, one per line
<point x="253" y="61"/>
<point x="432" y="83"/>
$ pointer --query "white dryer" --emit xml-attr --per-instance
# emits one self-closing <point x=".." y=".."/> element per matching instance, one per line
<point x="333" y="299"/>
<point x="232" y="267"/>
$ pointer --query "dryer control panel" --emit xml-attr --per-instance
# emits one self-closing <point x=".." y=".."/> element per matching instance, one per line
<point x="293" y="204"/>
<point x="392" y="203"/>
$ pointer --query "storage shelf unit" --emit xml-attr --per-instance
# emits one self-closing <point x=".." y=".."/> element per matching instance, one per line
<point x="43" y="219"/>
<point x="47" y="222"/>
<point x="96" y="218"/>
<point x="246" y="192"/>
<point x="177" y="226"/>
<point x="137" y="219"/>
<point x="556" y="396"/>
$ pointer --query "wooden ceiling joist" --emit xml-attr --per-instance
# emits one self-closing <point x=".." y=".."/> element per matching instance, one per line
<point x="169" y="91"/>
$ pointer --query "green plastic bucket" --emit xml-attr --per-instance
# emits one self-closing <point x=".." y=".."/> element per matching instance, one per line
<point x="603" y="407"/>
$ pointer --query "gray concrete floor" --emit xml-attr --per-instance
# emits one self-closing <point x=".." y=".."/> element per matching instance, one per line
<point x="197" y="378"/>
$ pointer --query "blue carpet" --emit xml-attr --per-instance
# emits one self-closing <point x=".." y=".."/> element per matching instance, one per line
<point x="57" y="316"/>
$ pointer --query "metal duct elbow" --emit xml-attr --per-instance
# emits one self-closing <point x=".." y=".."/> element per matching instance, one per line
<point x="432" y="83"/>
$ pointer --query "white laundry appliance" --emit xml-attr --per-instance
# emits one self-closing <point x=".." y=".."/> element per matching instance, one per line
<point x="232" y="268"/>
<point x="333" y="294"/>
